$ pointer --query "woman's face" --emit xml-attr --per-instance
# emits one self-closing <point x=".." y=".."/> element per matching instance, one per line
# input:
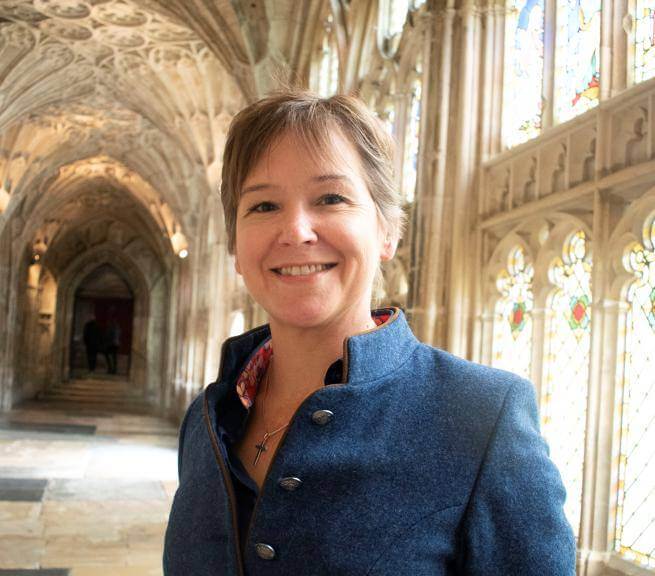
<point x="308" y="235"/>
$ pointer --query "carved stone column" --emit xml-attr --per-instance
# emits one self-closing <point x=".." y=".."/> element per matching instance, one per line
<point x="608" y="323"/>
<point x="429" y="275"/>
<point x="461" y="183"/>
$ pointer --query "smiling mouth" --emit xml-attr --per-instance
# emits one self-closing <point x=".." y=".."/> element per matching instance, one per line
<point x="303" y="270"/>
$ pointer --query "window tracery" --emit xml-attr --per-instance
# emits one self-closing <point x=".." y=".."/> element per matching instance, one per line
<point x="635" y="524"/>
<point x="566" y="367"/>
<point x="512" y="327"/>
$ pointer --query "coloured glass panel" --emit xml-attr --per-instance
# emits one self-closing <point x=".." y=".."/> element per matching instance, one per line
<point x="635" y="528"/>
<point x="644" y="40"/>
<point x="512" y="329"/>
<point x="566" y="367"/>
<point x="523" y="70"/>
<point x="577" y="57"/>
<point x="410" y="160"/>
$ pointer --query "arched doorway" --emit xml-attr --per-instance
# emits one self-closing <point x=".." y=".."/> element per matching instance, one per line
<point x="103" y="321"/>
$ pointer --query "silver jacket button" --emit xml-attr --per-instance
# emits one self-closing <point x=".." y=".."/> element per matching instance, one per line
<point x="264" y="551"/>
<point x="322" y="417"/>
<point x="290" y="483"/>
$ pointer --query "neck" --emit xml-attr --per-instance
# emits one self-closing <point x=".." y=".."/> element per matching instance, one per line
<point x="303" y="355"/>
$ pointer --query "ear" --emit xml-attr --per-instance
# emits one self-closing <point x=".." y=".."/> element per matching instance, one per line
<point x="389" y="245"/>
<point x="237" y="266"/>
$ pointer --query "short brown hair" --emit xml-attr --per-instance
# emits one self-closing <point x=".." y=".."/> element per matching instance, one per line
<point x="310" y="117"/>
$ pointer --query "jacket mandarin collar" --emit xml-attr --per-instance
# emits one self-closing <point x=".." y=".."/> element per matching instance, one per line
<point x="377" y="352"/>
<point x="367" y="356"/>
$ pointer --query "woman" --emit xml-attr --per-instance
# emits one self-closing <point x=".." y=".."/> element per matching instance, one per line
<point x="333" y="442"/>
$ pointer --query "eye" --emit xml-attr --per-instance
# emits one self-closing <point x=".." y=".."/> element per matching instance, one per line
<point x="330" y="199"/>
<point x="262" y="207"/>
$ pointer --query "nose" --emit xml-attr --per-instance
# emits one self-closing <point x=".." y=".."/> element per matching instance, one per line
<point x="297" y="228"/>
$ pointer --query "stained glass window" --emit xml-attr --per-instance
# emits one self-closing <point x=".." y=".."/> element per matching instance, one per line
<point x="410" y="160"/>
<point x="644" y="40"/>
<point x="566" y="367"/>
<point x="512" y="329"/>
<point x="577" y="75"/>
<point x="524" y="70"/>
<point x="394" y="14"/>
<point x="328" y="75"/>
<point x="635" y="528"/>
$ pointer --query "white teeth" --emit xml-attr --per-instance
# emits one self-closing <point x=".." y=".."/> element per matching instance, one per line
<point x="303" y="270"/>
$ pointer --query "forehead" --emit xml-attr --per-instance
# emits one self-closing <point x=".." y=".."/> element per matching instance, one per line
<point x="292" y="156"/>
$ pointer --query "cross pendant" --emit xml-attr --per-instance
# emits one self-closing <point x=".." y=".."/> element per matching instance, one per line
<point x="261" y="447"/>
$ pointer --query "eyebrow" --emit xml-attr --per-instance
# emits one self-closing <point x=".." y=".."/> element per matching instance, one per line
<point x="330" y="177"/>
<point x="321" y="178"/>
<point x="257" y="187"/>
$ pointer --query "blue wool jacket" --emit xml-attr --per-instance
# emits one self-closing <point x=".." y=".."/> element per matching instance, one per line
<point x="429" y="465"/>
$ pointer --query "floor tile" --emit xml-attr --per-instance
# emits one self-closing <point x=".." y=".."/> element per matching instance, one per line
<point x="21" y="551"/>
<point x="21" y="519"/>
<point x="22" y="489"/>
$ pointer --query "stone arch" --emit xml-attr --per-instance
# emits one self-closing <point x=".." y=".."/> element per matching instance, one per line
<point x="541" y="239"/>
<point x="629" y="229"/>
<point x="150" y="303"/>
<point x="498" y="262"/>
<point x="490" y="293"/>
<point x="562" y="229"/>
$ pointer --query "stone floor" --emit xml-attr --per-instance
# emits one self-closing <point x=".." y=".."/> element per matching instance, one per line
<point x="84" y="492"/>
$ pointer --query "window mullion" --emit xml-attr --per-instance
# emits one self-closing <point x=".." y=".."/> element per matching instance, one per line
<point x="550" y="27"/>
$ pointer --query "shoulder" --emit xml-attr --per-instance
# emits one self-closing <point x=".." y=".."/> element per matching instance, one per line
<point x="193" y="418"/>
<point x="467" y="383"/>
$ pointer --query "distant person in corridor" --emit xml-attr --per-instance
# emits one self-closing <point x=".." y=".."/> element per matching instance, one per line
<point x="92" y="336"/>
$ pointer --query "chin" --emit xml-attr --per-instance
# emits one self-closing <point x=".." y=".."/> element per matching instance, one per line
<point x="301" y="316"/>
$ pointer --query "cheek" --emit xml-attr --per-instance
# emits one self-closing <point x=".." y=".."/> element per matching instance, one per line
<point x="251" y="252"/>
<point x="242" y="254"/>
<point x="361" y="242"/>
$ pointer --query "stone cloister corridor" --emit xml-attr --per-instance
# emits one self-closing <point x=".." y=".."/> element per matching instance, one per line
<point x="525" y="161"/>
